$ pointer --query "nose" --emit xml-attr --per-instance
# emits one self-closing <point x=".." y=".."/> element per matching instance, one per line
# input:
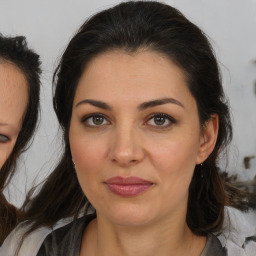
<point x="126" y="147"/>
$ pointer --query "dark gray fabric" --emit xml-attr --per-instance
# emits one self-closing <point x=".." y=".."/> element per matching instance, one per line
<point x="66" y="241"/>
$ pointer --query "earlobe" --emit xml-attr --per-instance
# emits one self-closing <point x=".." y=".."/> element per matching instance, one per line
<point x="208" y="138"/>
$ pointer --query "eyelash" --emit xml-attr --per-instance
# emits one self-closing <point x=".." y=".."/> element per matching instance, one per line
<point x="95" y="115"/>
<point x="170" y="120"/>
<point x="3" y="138"/>
<point x="85" y="120"/>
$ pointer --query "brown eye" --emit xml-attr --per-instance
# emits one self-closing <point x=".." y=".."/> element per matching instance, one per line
<point x="3" y="138"/>
<point x="161" y="121"/>
<point x="95" y="120"/>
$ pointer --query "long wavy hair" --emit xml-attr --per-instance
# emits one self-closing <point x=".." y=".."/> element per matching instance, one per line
<point x="15" y="50"/>
<point x="130" y="26"/>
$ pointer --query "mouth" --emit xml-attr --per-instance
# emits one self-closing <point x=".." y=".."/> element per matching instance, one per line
<point x="128" y="186"/>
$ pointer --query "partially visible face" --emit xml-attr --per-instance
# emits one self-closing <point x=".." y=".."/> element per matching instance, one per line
<point x="135" y="137"/>
<point x="13" y="103"/>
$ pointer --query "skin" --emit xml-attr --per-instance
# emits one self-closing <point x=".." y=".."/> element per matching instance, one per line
<point x="128" y="141"/>
<point x="13" y="103"/>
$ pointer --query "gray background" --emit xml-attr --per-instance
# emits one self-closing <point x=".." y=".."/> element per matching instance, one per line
<point x="49" y="25"/>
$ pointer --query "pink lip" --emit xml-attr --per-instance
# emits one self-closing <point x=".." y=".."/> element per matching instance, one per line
<point x="127" y="186"/>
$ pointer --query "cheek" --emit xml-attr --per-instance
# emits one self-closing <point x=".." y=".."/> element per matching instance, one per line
<point x="174" y="155"/>
<point x="2" y="159"/>
<point x="88" y="156"/>
<point x="5" y="151"/>
<point x="175" y="159"/>
<point x="174" y="163"/>
<point x="87" y="153"/>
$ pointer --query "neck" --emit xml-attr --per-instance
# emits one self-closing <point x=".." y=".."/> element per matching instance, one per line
<point x="169" y="237"/>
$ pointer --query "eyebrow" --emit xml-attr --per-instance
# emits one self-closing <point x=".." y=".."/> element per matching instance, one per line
<point x="158" y="102"/>
<point x="8" y="125"/>
<point x="96" y="103"/>
<point x="142" y="106"/>
<point x="3" y="124"/>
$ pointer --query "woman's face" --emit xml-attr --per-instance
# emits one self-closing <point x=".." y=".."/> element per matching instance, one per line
<point x="13" y="103"/>
<point x="135" y="137"/>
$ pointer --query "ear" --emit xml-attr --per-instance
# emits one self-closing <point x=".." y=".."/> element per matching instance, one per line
<point x="208" y="138"/>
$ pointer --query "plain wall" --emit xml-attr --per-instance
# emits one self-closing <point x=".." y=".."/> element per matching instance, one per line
<point x="49" y="25"/>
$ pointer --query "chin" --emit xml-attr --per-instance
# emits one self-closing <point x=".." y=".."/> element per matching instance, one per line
<point x="128" y="215"/>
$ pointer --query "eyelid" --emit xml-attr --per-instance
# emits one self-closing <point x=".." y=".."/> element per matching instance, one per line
<point x="4" y="138"/>
<point x="168" y="117"/>
<point x="86" y="117"/>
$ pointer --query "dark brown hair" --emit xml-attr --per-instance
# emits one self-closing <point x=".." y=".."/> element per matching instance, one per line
<point x="130" y="26"/>
<point x="15" y="50"/>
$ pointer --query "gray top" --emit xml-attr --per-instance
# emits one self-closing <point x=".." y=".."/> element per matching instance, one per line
<point x="66" y="241"/>
<point x="237" y="237"/>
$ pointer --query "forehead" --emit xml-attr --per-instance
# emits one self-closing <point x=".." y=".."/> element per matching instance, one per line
<point x="141" y="76"/>
<point x="14" y="94"/>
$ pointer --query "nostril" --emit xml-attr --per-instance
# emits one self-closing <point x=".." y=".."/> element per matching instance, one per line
<point x="133" y="161"/>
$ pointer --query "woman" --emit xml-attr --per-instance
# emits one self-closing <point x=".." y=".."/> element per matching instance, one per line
<point x="144" y="118"/>
<point x="19" y="106"/>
